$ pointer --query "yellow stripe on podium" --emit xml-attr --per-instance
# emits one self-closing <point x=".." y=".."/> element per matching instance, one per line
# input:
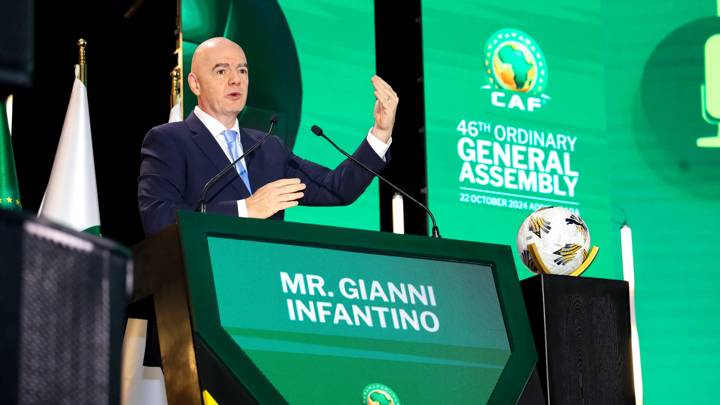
<point x="208" y="399"/>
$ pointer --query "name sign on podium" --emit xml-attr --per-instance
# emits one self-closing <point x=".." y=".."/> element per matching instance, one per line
<point x="301" y="314"/>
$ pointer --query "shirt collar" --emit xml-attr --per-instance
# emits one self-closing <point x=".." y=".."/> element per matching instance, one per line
<point x="215" y="127"/>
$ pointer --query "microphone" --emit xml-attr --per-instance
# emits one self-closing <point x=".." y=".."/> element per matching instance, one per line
<point x="710" y="92"/>
<point x="435" y="230"/>
<point x="202" y="203"/>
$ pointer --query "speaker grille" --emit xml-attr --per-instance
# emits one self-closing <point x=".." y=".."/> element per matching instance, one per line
<point x="68" y="334"/>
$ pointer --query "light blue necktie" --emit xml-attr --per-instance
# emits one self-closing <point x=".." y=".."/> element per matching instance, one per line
<point x="231" y="139"/>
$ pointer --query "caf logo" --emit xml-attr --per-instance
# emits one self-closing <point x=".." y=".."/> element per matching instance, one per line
<point x="379" y="394"/>
<point x="516" y="70"/>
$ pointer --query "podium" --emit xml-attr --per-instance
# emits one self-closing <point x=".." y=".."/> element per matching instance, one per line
<point x="581" y="327"/>
<point x="269" y="312"/>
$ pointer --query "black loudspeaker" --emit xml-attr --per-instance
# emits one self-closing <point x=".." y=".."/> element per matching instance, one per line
<point x="581" y="328"/>
<point x="62" y="308"/>
<point x="16" y="44"/>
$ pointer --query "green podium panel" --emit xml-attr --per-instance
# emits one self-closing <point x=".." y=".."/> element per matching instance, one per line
<point x="302" y="314"/>
<point x="268" y="312"/>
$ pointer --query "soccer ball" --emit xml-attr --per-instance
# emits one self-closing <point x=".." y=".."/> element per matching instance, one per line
<point x="560" y="236"/>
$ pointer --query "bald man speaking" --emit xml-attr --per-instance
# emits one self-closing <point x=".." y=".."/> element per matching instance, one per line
<point x="179" y="158"/>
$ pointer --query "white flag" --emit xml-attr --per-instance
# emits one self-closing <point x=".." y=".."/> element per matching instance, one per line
<point x="175" y="112"/>
<point x="71" y="195"/>
<point x="141" y="385"/>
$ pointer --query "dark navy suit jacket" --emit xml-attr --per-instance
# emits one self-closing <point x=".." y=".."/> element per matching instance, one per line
<point x="179" y="158"/>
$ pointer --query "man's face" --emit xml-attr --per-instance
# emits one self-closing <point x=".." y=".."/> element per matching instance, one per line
<point x="220" y="80"/>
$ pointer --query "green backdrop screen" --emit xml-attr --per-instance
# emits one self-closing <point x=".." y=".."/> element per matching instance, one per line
<point x="502" y="143"/>
<point x="335" y="43"/>
<point x="635" y="84"/>
<point x="666" y="185"/>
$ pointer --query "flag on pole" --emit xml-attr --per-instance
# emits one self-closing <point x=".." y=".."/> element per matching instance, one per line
<point x="9" y="191"/>
<point x="71" y="195"/>
<point x="142" y="385"/>
<point x="9" y="111"/>
<point x="175" y="113"/>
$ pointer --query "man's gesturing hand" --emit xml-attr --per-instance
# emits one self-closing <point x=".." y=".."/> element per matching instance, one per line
<point x="273" y="197"/>
<point x="385" y="108"/>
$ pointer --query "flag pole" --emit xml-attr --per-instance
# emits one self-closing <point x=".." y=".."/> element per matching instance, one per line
<point x="176" y="96"/>
<point x="71" y="195"/>
<point x="175" y="93"/>
<point x="179" y="52"/>
<point x="82" y="65"/>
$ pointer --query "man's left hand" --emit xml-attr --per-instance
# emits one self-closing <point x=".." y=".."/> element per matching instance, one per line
<point x="385" y="109"/>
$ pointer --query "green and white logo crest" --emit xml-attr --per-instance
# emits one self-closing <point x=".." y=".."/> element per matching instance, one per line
<point x="515" y="62"/>
<point x="516" y="70"/>
<point x="379" y="394"/>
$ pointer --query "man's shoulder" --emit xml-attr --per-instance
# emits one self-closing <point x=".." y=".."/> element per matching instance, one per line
<point x="170" y="135"/>
<point x="171" y="131"/>
<point x="170" y="128"/>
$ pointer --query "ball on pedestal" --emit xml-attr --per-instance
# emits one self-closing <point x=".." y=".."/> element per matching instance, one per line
<point x="561" y="237"/>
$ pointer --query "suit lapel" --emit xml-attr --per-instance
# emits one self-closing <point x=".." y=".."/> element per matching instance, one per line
<point x="212" y="151"/>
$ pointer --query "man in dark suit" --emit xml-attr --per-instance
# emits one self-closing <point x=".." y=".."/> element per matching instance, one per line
<point x="179" y="158"/>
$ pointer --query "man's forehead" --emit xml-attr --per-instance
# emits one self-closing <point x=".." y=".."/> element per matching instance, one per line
<point x="230" y="64"/>
<point x="218" y="51"/>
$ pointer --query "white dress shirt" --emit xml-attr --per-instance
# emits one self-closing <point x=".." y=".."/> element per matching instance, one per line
<point x="216" y="128"/>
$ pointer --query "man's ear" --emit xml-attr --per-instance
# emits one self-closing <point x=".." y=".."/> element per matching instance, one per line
<point x="194" y="83"/>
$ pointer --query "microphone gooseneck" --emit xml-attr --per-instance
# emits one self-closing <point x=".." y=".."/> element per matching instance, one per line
<point x="202" y="204"/>
<point x="435" y="230"/>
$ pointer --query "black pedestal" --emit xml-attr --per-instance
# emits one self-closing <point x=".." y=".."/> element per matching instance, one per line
<point x="581" y="328"/>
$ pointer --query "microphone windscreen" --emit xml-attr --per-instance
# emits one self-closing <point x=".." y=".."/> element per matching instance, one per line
<point x="274" y="119"/>
<point x="316" y="130"/>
